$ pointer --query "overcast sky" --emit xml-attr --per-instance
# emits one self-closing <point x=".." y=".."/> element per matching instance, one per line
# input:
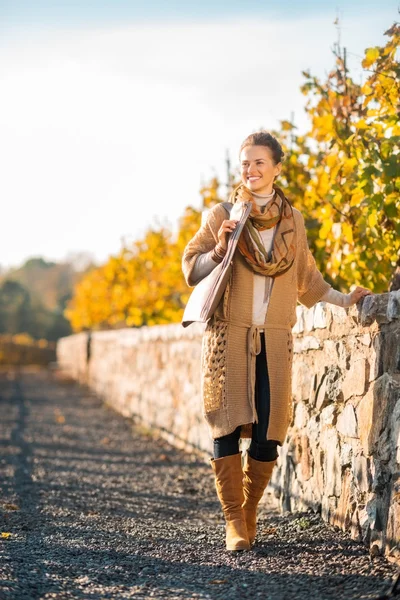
<point x="111" y="113"/>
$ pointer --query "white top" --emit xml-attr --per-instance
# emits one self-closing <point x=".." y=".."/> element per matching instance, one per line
<point x="261" y="283"/>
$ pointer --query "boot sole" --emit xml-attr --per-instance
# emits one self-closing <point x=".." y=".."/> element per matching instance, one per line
<point x="238" y="548"/>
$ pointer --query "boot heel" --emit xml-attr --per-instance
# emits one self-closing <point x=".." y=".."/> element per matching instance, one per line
<point x="236" y="535"/>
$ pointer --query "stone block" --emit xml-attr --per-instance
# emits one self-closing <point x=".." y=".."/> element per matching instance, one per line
<point x="380" y="477"/>
<point x="384" y="447"/>
<point x="354" y="381"/>
<point x="301" y="415"/>
<point x="339" y="315"/>
<point x="375" y="365"/>
<point x="302" y="380"/>
<point x="364" y="522"/>
<point x="373" y="411"/>
<point x="343" y="514"/>
<point x="375" y="509"/>
<point x="313" y="431"/>
<point x="309" y="319"/>
<point x="347" y="422"/>
<point x="330" y="350"/>
<point x="393" y="522"/>
<point x="295" y="447"/>
<point x="319" y="475"/>
<point x="346" y="453"/>
<point x="393" y="307"/>
<point x="365" y="412"/>
<point x="320" y="316"/>
<point x="306" y="460"/>
<point x="312" y="496"/>
<point x="389" y="352"/>
<point x="328" y="416"/>
<point x="300" y="322"/>
<point x="328" y="507"/>
<point x="329" y="387"/>
<point x="395" y="432"/>
<point x="332" y="467"/>
<point x="355" y="530"/>
<point x="360" y="468"/>
<point x="365" y="339"/>
<point x="307" y="342"/>
<point x="374" y="308"/>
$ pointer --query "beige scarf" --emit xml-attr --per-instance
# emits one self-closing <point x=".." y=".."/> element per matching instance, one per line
<point x="278" y="211"/>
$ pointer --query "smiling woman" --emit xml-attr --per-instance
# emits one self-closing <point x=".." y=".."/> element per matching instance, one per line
<point x="247" y="346"/>
<point x="260" y="164"/>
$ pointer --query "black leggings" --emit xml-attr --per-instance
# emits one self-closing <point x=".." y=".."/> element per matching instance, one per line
<point x="260" y="448"/>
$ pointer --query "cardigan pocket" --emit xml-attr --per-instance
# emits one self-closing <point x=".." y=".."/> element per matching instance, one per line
<point x="213" y="366"/>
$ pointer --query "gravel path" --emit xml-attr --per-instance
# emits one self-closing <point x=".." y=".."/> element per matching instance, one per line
<point x="98" y="509"/>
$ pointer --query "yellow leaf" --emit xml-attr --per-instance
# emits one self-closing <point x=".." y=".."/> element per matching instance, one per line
<point x="348" y="166"/>
<point x="323" y="184"/>
<point x="5" y="536"/>
<point x="366" y="89"/>
<point x="331" y="160"/>
<point x="325" y="229"/>
<point x="361" y="124"/>
<point x="347" y="232"/>
<point x="324" y="123"/>
<point x="371" y="55"/>
<point x="372" y="219"/>
<point x="356" y="198"/>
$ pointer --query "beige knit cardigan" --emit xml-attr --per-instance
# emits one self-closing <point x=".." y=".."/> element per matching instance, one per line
<point x="231" y="342"/>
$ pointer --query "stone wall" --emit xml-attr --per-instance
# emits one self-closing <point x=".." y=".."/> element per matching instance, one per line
<point x="342" y="451"/>
<point x="151" y="374"/>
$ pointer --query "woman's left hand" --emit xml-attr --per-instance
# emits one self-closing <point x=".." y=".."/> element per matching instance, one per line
<point x="359" y="293"/>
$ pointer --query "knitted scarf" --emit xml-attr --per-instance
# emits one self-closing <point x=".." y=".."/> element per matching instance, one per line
<point x="278" y="211"/>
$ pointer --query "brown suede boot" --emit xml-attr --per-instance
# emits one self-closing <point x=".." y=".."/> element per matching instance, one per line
<point x="229" y="485"/>
<point x="256" y="478"/>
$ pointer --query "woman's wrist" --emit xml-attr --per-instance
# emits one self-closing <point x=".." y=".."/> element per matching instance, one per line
<point x="218" y="253"/>
<point x="347" y="300"/>
<point x="338" y="298"/>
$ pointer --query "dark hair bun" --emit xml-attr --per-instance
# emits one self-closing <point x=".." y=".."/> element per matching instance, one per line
<point x="263" y="138"/>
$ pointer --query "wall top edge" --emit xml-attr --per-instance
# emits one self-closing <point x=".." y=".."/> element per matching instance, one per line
<point x="382" y="308"/>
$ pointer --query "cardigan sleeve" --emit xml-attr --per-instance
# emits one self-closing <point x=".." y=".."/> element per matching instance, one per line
<point x="203" y="241"/>
<point x="203" y="266"/>
<point x="311" y="286"/>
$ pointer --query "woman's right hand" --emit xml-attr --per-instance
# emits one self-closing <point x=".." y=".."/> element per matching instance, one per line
<point x="226" y="228"/>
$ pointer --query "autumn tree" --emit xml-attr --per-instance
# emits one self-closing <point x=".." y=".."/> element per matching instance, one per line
<point x="143" y="284"/>
<point x="343" y="174"/>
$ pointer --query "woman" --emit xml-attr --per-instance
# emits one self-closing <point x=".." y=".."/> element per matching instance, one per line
<point x="247" y="345"/>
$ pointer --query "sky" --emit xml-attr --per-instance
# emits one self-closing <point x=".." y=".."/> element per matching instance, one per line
<point x="113" y="113"/>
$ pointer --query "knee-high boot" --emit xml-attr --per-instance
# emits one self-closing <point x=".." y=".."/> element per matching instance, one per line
<point x="256" y="478"/>
<point x="229" y="485"/>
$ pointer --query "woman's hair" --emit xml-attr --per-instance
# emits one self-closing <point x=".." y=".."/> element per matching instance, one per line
<point x="263" y="138"/>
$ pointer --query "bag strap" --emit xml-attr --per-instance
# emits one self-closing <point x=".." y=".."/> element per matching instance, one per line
<point x="227" y="206"/>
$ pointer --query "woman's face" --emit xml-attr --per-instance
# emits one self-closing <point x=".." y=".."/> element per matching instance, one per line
<point x="257" y="169"/>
